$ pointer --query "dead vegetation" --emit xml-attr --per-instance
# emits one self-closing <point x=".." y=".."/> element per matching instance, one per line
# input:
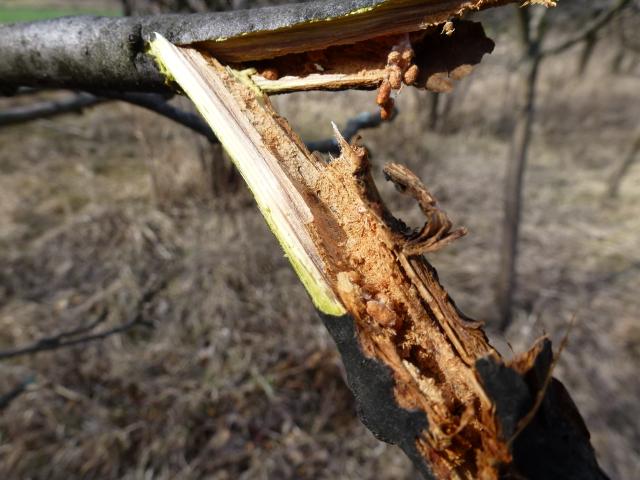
<point x="237" y="379"/>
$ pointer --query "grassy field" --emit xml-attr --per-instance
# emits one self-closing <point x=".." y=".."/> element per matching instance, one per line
<point x="31" y="10"/>
<point x="237" y="378"/>
<point x="27" y="14"/>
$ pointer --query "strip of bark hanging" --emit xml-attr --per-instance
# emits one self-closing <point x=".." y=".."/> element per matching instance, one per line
<point x="424" y="375"/>
<point x="109" y="53"/>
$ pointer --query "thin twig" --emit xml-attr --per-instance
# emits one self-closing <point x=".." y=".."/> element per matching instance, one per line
<point x="361" y="121"/>
<point x="591" y="29"/>
<point x="63" y="339"/>
<point x="15" y="392"/>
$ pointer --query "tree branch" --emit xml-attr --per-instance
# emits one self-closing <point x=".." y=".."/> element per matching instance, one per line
<point x="154" y="102"/>
<point x="76" y="103"/>
<point x="76" y="336"/>
<point x="110" y="53"/>
<point x="591" y="29"/>
<point x="361" y="121"/>
<point x="159" y="104"/>
<point x="59" y="341"/>
<point x="11" y="395"/>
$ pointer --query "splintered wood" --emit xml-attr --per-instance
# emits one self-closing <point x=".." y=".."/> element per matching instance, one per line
<point x="370" y="260"/>
<point x="354" y="256"/>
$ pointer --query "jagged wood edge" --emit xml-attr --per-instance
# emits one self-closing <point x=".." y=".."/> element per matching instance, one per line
<point x="511" y="388"/>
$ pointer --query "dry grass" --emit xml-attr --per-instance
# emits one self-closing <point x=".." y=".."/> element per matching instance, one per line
<point x="237" y="378"/>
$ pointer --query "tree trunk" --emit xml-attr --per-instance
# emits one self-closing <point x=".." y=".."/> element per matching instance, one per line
<point x="518" y="152"/>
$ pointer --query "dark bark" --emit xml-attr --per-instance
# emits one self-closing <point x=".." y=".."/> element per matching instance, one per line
<point x="553" y="443"/>
<point x="372" y="384"/>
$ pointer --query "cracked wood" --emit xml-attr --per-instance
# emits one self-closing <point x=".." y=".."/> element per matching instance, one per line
<point x="425" y="376"/>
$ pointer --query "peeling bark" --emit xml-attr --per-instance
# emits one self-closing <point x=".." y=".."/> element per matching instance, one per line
<point x="424" y="375"/>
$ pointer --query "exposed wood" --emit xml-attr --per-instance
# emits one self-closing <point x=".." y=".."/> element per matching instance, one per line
<point x="110" y="53"/>
<point x="424" y="375"/>
<point x="279" y="200"/>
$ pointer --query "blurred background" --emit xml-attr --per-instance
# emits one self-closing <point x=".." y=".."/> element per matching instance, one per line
<point x="214" y="363"/>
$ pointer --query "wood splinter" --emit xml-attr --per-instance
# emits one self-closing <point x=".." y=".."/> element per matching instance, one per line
<point x="436" y="232"/>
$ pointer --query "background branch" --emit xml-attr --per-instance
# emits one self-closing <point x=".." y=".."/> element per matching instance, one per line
<point x="361" y="121"/>
<point x="159" y="104"/>
<point x="11" y="395"/>
<point x="591" y="29"/>
<point x="75" y="336"/>
<point x="76" y="103"/>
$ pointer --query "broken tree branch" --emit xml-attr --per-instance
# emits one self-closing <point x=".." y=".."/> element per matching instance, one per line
<point x="424" y="375"/>
<point x="109" y="53"/>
